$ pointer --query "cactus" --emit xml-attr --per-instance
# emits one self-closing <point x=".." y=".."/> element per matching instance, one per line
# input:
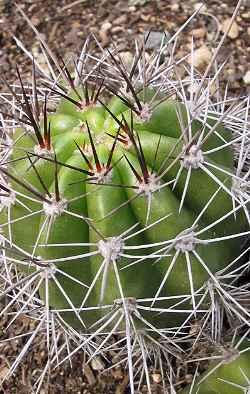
<point x="124" y="209"/>
<point x="229" y="375"/>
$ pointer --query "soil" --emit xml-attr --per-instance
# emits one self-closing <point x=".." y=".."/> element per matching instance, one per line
<point x="65" y="24"/>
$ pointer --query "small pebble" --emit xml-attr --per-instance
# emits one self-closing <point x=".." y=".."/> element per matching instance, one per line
<point x="200" y="6"/>
<point x="106" y="26"/>
<point x="117" y="29"/>
<point x="246" y="15"/>
<point x="97" y="364"/>
<point x="246" y="78"/>
<point x="199" y="33"/>
<point x="154" y="39"/>
<point x="189" y="378"/>
<point x="234" y="30"/>
<point x="175" y="7"/>
<point x="156" y="378"/>
<point x="201" y="57"/>
<point x="127" y="58"/>
<point x="120" y="20"/>
<point x="103" y="33"/>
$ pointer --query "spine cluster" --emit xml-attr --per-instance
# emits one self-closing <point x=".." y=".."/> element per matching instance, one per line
<point x="124" y="217"/>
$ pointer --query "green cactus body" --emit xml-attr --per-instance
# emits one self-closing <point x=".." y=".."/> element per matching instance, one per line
<point x="230" y="376"/>
<point x="109" y="205"/>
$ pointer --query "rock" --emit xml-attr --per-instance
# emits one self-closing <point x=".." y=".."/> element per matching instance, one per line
<point x="156" y="377"/>
<point x="104" y="33"/>
<point x="175" y="7"/>
<point x="200" y="6"/>
<point x="234" y="30"/>
<point x="202" y="56"/>
<point x="106" y="26"/>
<point x="248" y="31"/>
<point x="246" y="78"/>
<point x="145" y="18"/>
<point x="199" y="33"/>
<point x="127" y="58"/>
<point x="97" y="364"/>
<point x="120" y="20"/>
<point x="117" y="29"/>
<point x="155" y="39"/>
<point x="246" y="15"/>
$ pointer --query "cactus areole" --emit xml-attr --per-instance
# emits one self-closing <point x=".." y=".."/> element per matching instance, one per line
<point x="229" y="375"/>
<point x="121" y="202"/>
